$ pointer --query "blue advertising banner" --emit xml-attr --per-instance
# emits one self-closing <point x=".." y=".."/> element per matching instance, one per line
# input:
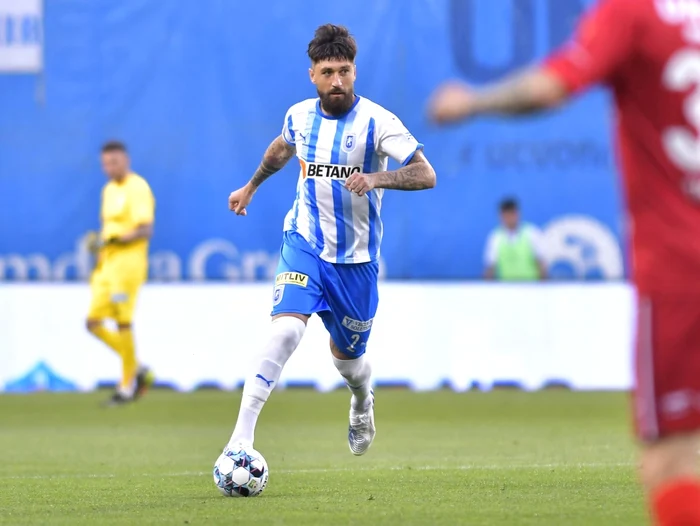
<point x="198" y="90"/>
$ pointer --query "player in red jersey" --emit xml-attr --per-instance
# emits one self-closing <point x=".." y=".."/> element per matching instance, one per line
<point x="648" y="53"/>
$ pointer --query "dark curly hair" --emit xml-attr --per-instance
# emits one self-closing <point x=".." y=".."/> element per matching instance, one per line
<point x="332" y="42"/>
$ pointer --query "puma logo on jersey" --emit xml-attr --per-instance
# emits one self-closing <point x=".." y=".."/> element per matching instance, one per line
<point x="328" y="171"/>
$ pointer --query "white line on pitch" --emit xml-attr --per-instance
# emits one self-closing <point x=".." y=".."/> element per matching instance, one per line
<point x="473" y="467"/>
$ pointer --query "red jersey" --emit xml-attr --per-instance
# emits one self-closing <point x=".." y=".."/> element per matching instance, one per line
<point x="648" y="53"/>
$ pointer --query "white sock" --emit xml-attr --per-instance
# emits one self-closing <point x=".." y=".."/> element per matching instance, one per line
<point x="285" y="335"/>
<point x="357" y="374"/>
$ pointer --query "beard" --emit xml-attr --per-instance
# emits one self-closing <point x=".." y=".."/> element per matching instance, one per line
<point x="336" y="105"/>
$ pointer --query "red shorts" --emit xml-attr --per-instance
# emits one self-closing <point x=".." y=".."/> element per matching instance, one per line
<point x="667" y="391"/>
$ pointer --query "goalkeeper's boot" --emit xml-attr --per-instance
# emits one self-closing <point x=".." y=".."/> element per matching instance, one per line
<point x="144" y="381"/>
<point x="118" y="399"/>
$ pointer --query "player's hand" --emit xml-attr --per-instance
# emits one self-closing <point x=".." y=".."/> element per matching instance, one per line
<point x="93" y="242"/>
<point x="451" y="102"/>
<point x="360" y="183"/>
<point x="240" y="199"/>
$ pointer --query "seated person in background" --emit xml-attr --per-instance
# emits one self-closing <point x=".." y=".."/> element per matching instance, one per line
<point x="514" y="249"/>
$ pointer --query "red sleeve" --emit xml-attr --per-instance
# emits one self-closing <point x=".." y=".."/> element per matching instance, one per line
<point x="604" y="40"/>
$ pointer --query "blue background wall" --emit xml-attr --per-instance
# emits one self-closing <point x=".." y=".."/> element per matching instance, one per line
<point x="198" y="89"/>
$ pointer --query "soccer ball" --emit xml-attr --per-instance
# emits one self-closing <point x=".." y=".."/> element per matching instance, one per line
<point x="241" y="473"/>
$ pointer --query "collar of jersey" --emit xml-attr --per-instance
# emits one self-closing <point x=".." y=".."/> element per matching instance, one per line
<point x="123" y="181"/>
<point x="330" y="117"/>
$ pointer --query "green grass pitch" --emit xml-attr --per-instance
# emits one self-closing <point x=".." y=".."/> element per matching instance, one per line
<point x="439" y="458"/>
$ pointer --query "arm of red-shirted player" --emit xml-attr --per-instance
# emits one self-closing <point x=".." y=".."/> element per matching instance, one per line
<point x="525" y="92"/>
<point x="604" y="40"/>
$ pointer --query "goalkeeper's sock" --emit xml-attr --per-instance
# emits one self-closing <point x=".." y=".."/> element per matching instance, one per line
<point x="128" y="353"/>
<point x="111" y="338"/>
<point x="286" y="333"/>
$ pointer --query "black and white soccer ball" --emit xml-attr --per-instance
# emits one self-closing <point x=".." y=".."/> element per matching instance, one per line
<point x="241" y="473"/>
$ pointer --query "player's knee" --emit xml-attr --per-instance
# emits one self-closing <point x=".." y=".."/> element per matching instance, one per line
<point x="124" y="326"/>
<point x="349" y="349"/>
<point x="669" y="458"/>
<point x="337" y="353"/>
<point x="287" y="331"/>
<point x="92" y="325"/>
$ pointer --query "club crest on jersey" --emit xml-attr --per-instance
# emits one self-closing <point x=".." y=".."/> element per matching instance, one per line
<point x="277" y="295"/>
<point x="348" y="143"/>
<point x="328" y="171"/>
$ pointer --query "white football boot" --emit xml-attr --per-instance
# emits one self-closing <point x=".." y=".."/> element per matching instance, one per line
<point x="361" y="430"/>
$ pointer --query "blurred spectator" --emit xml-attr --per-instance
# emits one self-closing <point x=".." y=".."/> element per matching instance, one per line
<point x="514" y="249"/>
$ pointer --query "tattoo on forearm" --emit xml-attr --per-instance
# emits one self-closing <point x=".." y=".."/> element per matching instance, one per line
<point x="276" y="156"/>
<point x="526" y="92"/>
<point x="512" y="96"/>
<point x="416" y="175"/>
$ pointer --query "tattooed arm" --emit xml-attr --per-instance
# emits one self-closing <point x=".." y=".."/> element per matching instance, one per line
<point x="418" y="174"/>
<point x="526" y="92"/>
<point x="276" y="156"/>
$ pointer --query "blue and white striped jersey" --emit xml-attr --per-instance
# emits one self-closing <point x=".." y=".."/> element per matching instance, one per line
<point x="341" y="226"/>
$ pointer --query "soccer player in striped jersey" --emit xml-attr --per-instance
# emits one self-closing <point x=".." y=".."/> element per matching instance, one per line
<point x="333" y="232"/>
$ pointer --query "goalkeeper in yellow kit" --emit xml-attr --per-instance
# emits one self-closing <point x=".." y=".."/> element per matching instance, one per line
<point x="121" y="267"/>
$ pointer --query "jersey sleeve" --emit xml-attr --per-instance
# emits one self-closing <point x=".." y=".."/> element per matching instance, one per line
<point x="102" y="203"/>
<point x="142" y="204"/>
<point x="604" y="40"/>
<point x="288" y="129"/>
<point x="394" y="140"/>
<point x="491" y="249"/>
